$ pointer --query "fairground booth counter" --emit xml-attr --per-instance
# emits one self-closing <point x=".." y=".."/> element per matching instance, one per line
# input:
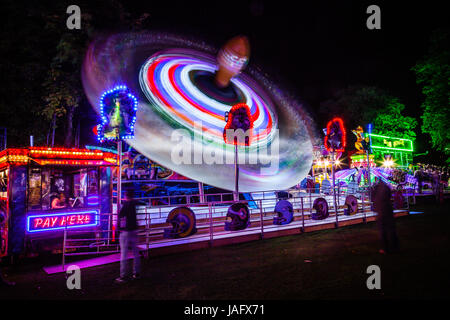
<point x="46" y="190"/>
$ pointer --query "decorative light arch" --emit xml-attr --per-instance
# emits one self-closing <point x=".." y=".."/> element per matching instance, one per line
<point x="124" y="101"/>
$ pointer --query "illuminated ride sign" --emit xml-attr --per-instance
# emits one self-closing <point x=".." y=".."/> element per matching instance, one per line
<point x="62" y="220"/>
<point x="390" y="143"/>
<point x="360" y="160"/>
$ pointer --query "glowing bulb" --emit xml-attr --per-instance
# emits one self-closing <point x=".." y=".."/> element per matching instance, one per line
<point x="388" y="163"/>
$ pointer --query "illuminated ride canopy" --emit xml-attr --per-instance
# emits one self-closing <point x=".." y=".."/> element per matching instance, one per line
<point x="173" y="79"/>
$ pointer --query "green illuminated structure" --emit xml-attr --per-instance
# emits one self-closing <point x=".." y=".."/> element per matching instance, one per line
<point x="400" y="149"/>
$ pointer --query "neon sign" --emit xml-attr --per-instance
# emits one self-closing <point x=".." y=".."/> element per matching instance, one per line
<point x="359" y="161"/>
<point x="60" y="221"/>
<point x="391" y="143"/>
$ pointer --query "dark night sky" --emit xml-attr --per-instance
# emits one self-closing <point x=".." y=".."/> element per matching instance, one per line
<point x="312" y="47"/>
<point x="317" y="46"/>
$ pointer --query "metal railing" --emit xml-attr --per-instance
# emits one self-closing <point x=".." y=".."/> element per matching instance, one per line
<point x="210" y="219"/>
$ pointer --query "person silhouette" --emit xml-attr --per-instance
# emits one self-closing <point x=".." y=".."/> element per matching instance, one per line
<point x="381" y="198"/>
<point x="128" y="238"/>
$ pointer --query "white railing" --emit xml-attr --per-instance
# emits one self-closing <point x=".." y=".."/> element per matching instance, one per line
<point x="210" y="219"/>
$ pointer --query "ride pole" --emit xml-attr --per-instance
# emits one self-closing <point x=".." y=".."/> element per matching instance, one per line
<point x="368" y="167"/>
<point x="334" y="190"/>
<point x="119" y="175"/>
<point x="236" y="172"/>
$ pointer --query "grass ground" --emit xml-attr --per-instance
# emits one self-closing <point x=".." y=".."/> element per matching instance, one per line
<point x="328" y="264"/>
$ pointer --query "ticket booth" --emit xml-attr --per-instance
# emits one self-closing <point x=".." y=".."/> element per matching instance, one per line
<point x="44" y="191"/>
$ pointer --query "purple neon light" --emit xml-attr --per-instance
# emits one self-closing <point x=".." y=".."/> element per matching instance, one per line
<point x="95" y="213"/>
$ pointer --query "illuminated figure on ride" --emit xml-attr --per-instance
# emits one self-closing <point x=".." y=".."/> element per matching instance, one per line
<point x="232" y="58"/>
<point x="183" y="223"/>
<point x="239" y="217"/>
<point x="320" y="211"/>
<point x="284" y="211"/>
<point x="359" y="139"/>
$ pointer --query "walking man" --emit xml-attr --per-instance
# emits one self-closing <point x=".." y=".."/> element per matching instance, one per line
<point x="128" y="239"/>
<point x="385" y="217"/>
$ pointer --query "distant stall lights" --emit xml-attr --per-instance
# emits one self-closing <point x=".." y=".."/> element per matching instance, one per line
<point x="388" y="163"/>
<point x="327" y="163"/>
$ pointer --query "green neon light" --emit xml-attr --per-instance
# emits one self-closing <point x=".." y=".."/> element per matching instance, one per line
<point x="377" y="135"/>
<point x="392" y="140"/>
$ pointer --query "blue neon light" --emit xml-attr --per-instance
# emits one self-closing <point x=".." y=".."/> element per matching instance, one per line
<point x="92" y="200"/>
<point x="104" y="120"/>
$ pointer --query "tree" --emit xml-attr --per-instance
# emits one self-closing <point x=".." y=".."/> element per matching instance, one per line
<point x="63" y="89"/>
<point x="393" y="123"/>
<point x="26" y="52"/>
<point x="361" y="105"/>
<point x="433" y="74"/>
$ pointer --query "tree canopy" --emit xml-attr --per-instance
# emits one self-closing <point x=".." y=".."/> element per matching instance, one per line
<point x="41" y="65"/>
<point x="433" y="74"/>
<point x="360" y="105"/>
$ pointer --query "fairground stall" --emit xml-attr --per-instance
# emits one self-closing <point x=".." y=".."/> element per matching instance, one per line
<point x="45" y="191"/>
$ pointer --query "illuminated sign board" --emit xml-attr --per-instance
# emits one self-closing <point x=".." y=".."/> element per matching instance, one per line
<point x="59" y="221"/>
<point x="391" y="143"/>
<point x="359" y="161"/>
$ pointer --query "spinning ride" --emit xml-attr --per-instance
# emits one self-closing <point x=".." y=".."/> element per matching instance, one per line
<point x="184" y="92"/>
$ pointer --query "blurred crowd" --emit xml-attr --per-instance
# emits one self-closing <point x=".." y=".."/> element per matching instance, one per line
<point x="437" y="176"/>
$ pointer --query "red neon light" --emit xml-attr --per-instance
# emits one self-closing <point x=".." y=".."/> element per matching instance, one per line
<point x="343" y="138"/>
<point x="75" y="162"/>
<point x="230" y="121"/>
<point x="65" y="153"/>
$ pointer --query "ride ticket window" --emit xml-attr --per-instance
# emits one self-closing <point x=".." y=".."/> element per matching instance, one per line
<point x="80" y="188"/>
<point x="34" y="188"/>
<point x="71" y="187"/>
<point x="92" y="187"/>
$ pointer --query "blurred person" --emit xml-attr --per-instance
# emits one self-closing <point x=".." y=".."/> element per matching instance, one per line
<point x="419" y="177"/>
<point x="435" y="180"/>
<point x="128" y="238"/>
<point x="4" y="282"/>
<point x="59" y="202"/>
<point x="381" y="198"/>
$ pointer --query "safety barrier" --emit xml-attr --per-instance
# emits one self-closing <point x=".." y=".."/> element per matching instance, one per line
<point x="212" y="219"/>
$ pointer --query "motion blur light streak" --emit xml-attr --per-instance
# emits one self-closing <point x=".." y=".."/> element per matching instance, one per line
<point x="166" y="80"/>
<point x="172" y="77"/>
